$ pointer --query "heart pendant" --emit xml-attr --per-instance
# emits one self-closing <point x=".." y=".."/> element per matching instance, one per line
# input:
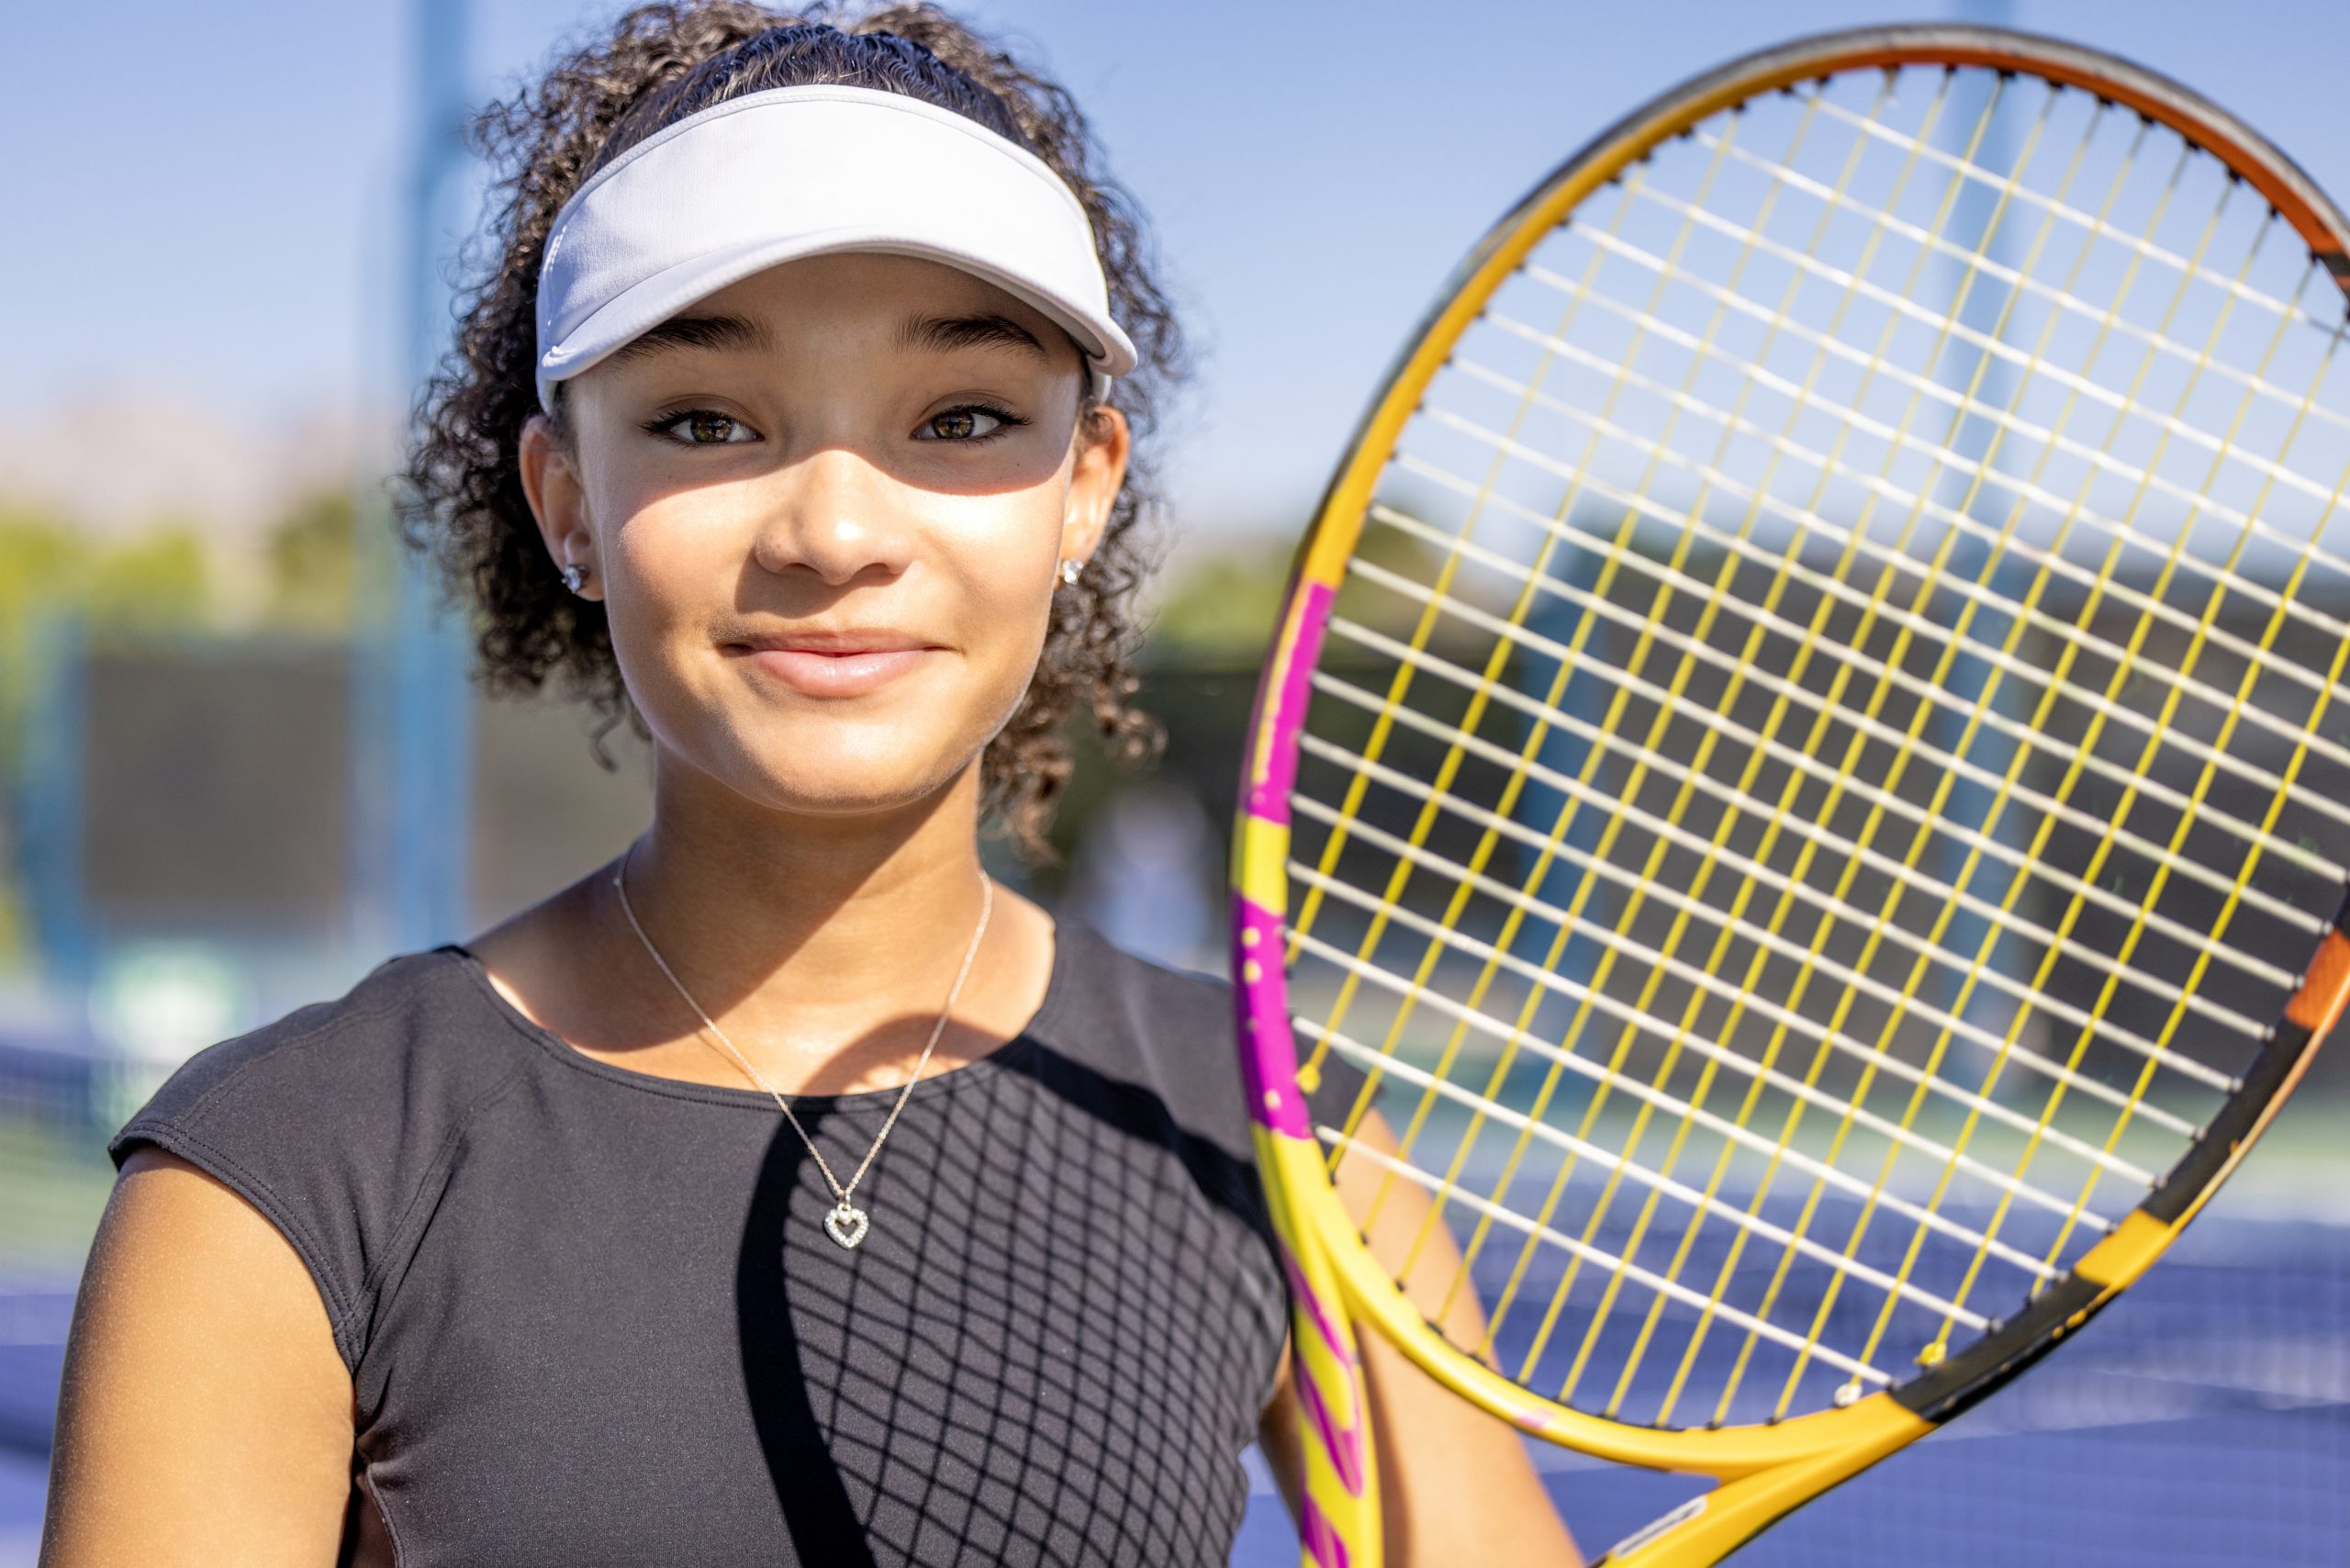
<point x="846" y="1225"/>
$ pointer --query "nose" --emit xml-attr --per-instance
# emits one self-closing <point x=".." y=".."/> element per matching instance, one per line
<point x="832" y="516"/>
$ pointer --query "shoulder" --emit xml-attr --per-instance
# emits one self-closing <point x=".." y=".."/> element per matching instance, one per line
<point x="406" y="1038"/>
<point x="1103" y="988"/>
<point x="331" y="1119"/>
<point x="1141" y="1022"/>
<point x="1171" y="1031"/>
<point x="1153" y="997"/>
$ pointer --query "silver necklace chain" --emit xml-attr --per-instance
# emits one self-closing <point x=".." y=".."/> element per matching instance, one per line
<point x="846" y="1224"/>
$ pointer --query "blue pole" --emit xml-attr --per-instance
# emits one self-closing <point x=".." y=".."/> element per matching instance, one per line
<point x="50" y="800"/>
<point x="413" y="720"/>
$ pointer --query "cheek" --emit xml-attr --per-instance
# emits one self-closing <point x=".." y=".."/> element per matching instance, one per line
<point x="1006" y="580"/>
<point x="671" y="573"/>
<point x="678" y="564"/>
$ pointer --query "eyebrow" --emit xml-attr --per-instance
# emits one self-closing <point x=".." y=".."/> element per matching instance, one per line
<point x="722" y="332"/>
<point x="946" y="334"/>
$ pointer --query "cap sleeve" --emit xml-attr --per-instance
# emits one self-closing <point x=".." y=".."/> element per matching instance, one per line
<point x="334" y="1122"/>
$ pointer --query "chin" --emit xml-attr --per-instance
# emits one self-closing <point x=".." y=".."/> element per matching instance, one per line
<point x="836" y="762"/>
<point x="829" y="776"/>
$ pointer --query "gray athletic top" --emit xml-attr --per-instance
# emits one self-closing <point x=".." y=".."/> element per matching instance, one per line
<point x="590" y="1316"/>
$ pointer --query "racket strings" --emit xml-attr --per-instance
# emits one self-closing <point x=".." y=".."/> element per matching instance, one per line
<point x="2308" y="487"/>
<point x="2281" y="795"/>
<point x="1975" y="409"/>
<point x="1871" y="729"/>
<point x="1802" y="811"/>
<point x="1767" y="941"/>
<point x="1881" y="1322"/>
<point x="1874" y="129"/>
<point x="1551" y="1319"/>
<point x="1638" y="1127"/>
<point x="1999" y="1060"/>
<point x="2025" y="493"/>
<point x="2040" y="621"/>
<point x="1398" y="688"/>
<point x="1392" y="705"/>
<point x="1647" y="1213"/>
<point x="2213" y="757"/>
<point x="1680" y="1038"/>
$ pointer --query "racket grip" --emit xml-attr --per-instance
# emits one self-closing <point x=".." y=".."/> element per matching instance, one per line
<point x="1339" y="1517"/>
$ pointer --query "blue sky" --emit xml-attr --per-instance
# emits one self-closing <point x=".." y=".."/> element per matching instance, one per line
<point x="212" y="192"/>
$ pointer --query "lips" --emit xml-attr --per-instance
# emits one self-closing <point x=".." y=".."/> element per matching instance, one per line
<point x="834" y="663"/>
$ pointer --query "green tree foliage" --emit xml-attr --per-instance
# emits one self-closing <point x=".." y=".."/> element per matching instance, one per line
<point x="38" y="557"/>
<point x="311" y="554"/>
<point x="158" y="581"/>
<point x="1217" y="609"/>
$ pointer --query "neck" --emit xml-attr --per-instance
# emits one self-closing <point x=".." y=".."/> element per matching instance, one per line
<point x="808" y="928"/>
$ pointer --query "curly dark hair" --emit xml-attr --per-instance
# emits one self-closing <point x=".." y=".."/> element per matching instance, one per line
<point x="465" y="506"/>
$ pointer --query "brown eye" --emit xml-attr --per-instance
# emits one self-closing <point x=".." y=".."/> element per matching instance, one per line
<point x="701" y="426"/>
<point x="961" y="424"/>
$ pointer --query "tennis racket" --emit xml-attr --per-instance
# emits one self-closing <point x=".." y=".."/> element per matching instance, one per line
<point x="1803" y="761"/>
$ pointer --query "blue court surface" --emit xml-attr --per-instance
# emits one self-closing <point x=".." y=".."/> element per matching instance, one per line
<point x="2204" y="1419"/>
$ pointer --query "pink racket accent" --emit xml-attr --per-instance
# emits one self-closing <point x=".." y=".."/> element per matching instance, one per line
<point x="1268" y="1050"/>
<point x="1341" y="1441"/>
<point x="1339" y="1501"/>
<point x="1323" y="1543"/>
<point x="1276" y="732"/>
<point x="1323" y="1324"/>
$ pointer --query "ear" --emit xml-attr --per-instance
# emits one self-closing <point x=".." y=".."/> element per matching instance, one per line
<point x="1096" y="473"/>
<point x="558" y="501"/>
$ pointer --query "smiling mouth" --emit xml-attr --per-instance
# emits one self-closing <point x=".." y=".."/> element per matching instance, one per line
<point x="832" y="672"/>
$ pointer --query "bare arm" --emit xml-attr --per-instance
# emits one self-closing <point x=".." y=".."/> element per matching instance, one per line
<point x="1455" y="1486"/>
<point x="206" y="1416"/>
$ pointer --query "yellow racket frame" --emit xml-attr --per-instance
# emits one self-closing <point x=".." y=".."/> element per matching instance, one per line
<point x="1763" y="1472"/>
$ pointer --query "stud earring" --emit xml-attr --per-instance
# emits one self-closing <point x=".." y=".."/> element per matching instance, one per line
<point x="573" y="576"/>
<point x="1070" y="570"/>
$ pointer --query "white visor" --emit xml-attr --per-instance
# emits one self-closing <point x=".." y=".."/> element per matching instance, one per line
<point x="794" y="171"/>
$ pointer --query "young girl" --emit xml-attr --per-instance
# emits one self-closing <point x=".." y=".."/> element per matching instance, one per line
<point x="784" y="1191"/>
